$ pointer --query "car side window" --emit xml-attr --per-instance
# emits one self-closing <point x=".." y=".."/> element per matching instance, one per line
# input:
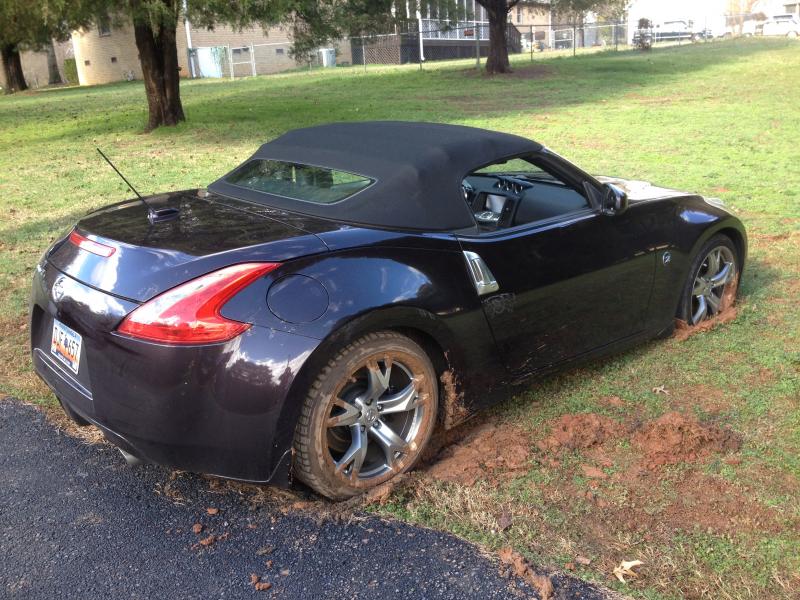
<point x="519" y="191"/>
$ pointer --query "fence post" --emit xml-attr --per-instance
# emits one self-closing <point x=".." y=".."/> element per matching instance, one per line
<point x="477" y="33"/>
<point x="364" y="54"/>
<point x="230" y="60"/>
<point x="574" y="38"/>
<point x="253" y="59"/>
<point x="190" y="58"/>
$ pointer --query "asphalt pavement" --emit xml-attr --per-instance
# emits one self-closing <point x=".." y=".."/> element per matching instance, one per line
<point x="77" y="522"/>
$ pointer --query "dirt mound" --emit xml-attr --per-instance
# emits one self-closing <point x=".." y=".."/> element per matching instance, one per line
<point x="488" y="450"/>
<point x="674" y="438"/>
<point x="582" y="430"/>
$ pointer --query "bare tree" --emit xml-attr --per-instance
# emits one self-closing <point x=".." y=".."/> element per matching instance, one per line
<point x="738" y="13"/>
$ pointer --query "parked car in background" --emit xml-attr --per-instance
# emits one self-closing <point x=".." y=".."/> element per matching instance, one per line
<point x="672" y="31"/>
<point x="780" y="25"/>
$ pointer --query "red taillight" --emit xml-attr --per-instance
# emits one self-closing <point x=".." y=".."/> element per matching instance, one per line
<point x="190" y="313"/>
<point x="85" y="243"/>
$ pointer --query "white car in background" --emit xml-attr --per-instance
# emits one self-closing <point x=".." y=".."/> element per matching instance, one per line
<point x="780" y="25"/>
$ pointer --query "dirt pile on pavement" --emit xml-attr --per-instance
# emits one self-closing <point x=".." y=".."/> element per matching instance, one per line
<point x="673" y="438"/>
<point x="516" y="565"/>
<point x="582" y="430"/>
<point x="489" y="450"/>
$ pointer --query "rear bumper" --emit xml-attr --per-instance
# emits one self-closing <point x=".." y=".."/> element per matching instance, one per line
<point x="223" y="409"/>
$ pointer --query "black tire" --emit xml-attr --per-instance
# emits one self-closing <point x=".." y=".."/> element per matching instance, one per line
<point x="687" y="308"/>
<point x="356" y="388"/>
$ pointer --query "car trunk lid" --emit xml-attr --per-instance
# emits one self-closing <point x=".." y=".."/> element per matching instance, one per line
<point x="209" y="232"/>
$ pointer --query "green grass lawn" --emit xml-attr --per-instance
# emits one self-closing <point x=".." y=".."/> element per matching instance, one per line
<point x="721" y="119"/>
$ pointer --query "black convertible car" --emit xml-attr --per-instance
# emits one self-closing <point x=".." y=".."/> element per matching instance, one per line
<point x="326" y="305"/>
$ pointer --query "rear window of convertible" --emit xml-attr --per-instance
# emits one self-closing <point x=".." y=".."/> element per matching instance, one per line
<point x="300" y="182"/>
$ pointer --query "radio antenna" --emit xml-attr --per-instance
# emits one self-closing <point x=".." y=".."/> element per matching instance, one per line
<point x="152" y="214"/>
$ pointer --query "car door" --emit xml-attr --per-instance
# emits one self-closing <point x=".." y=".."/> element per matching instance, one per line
<point x="565" y="285"/>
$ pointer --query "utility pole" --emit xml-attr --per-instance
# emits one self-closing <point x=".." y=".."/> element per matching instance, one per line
<point x="477" y="33"/>
<point x="532" y="42"/>
<point x="188" y="27"/>
<point x="421" y="45"/>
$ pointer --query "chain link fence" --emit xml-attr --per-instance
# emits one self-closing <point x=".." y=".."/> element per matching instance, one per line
<point x="433" y="42"/>
<point x="430" y="41"/>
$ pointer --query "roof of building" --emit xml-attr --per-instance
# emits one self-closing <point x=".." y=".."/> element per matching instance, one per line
<point x="417" y="168"/>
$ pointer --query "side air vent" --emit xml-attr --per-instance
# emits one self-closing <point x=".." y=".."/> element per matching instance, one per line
<point x="482" y="277"/>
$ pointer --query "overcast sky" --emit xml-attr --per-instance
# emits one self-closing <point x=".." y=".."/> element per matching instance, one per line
<point x="697" y="10"/>
<point x="659" y="11"/>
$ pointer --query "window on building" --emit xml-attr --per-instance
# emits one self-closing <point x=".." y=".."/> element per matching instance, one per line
<point x="104" y="28"/>
<point x="113" y="59"/>
<point x="519" y="14"/>
<point x="278" y="50"/>
<point x="87" y="62"/>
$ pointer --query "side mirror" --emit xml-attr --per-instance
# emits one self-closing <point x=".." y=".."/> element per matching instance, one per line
<point x="615" y="201"/>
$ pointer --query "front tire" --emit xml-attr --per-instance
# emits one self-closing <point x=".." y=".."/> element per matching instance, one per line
<point x="367" y="416"/>
<point x="712" y="282"/>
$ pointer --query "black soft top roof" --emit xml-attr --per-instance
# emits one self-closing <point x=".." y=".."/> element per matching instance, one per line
<point x="417" y="168"/>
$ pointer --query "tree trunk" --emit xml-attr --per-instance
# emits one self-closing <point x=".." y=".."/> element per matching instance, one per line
<point x="12" y="65"/>
<point x="497" y="61"/>
<point x="54" y="75"/>
<point x="158" y="55"/>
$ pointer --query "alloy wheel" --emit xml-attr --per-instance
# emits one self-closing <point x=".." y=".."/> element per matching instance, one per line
<point x="377" y="419"/>
<point x="717" y="272"/>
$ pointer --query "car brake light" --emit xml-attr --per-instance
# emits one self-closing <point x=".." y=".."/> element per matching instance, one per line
<point x="85" y="243"/>
<point x="190" y="312"/>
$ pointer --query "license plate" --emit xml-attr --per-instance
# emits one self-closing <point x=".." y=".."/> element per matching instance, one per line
<point x="66" y="346"/>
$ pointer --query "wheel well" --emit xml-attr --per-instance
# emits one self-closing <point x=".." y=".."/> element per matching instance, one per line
<point x="428" y="343"/>
<point x="738" y="241"/>
<point x="451" y="410"/>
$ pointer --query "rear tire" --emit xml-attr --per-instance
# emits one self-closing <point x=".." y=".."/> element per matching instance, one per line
<point x="367" y="416"/>
<point x="712" y="282"/>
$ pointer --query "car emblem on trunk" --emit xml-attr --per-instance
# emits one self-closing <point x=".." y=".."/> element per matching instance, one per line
<point x="58" y="289"/>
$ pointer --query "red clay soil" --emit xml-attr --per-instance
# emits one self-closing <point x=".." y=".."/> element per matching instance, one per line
<point x="455" y="411"/>
<point x="708" y="502"/>
<point x="520" y="567"/>
<point x="727" y="313"/>
<point x="488" y="451"/>
<point x="582" y="430"/>
<point x="675" y="438"/>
